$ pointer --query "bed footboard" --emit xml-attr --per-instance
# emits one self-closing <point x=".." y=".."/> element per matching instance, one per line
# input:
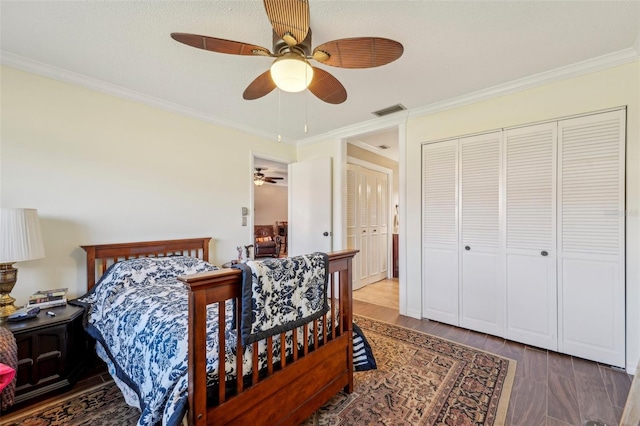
<point x="287" y="390"/>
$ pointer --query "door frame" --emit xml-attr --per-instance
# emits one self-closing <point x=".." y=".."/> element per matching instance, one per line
<point x="264" y="155"/>
<point x="389" y="173"/>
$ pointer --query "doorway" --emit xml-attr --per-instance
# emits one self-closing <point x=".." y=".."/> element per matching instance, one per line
<point x="271" y="200"/>
<point x="372" y="163"/>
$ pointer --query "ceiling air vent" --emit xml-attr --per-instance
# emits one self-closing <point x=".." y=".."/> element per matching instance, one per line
<point x="389" y="110"/>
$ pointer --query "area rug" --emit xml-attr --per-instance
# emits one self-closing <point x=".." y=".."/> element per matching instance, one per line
<point x="420" y="380"/>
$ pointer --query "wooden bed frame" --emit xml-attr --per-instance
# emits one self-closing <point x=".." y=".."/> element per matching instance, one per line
<point x="292" y="388"/>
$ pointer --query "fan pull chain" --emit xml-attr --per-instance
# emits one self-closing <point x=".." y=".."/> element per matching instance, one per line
<point x="279" y="116"/>
<point x="306" y="107"/>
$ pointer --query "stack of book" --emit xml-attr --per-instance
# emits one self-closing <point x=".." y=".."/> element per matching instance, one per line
<point x="48" y="298"/>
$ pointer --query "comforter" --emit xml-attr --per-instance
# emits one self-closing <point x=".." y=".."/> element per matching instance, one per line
<point x="137" y="313"/>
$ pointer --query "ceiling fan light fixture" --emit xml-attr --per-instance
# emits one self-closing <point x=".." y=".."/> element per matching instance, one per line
<point x="258" y="181"/>
<point x="291" y="72"/>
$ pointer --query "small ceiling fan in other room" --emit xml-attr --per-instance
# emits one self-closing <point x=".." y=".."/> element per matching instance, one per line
<point x="292" y="51"/>
<point x="259" y="178"/>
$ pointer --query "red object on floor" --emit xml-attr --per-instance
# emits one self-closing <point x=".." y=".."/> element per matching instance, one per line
<point x="6" y="376"/>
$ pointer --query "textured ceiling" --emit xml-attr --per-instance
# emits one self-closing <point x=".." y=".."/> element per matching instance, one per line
<point x="451" y="48"/>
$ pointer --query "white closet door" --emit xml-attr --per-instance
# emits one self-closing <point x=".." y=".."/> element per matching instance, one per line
<point x="373" y="201"/>
<point x="440" y="231"/>
<point x="530" y="174"/>
<point x="353" y="240"/>
<point x="591" y="220"/>
<point x="483" y="297"/>
<point x="363" y="230"/>
<point x="383" y="228"/>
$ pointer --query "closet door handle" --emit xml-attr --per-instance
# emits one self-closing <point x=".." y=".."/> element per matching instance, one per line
<point x="374" y="230"/>
<point x="544" y="253"/>
<point x="467" y="248"/>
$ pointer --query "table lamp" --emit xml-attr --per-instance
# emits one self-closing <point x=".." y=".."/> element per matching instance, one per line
<point x="20" y="240"/>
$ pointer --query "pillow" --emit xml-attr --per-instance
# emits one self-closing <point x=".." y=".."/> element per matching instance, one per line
<point x="363" y="359"/>
<point x="263" y="239"/>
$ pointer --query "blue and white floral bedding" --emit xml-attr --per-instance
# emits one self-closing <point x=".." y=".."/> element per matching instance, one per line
<point x="138" y="314"/>
<point x="279" y="295"/>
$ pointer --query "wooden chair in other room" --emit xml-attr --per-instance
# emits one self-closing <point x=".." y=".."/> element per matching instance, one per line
<point x="283" y="230"/>
<point x="266" y="243"/>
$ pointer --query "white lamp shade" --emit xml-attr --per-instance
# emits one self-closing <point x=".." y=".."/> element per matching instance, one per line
<point x="20" y="236"/>
<point x="291" y="73"/>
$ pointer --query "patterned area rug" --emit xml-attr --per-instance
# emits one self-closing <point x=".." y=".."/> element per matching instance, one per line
<point x="420" y="380"/>
<point x="101" y="405"/>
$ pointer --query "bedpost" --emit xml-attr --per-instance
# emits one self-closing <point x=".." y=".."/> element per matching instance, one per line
<point x="91" y="266"/>
<point x="205" y="249"/>
<point x="346" y="295"/>
<point x="341" y="262"/>
<point x="197" y="358"/>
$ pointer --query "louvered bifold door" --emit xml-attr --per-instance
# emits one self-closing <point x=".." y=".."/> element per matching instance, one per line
<point x="591" y="220"/>
<point x="530" y="194"/>
<point x="483" y="297"/>
<point x="440" y="231"/>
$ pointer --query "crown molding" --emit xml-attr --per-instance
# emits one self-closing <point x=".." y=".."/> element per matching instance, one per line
<point x="574" y="70"/>
<point x="570" y="71"/>
<point x="373" y="149"/>
<point x="359" y="128"/>
<point x="591" y="65"/>
<point x="44" y="70"/>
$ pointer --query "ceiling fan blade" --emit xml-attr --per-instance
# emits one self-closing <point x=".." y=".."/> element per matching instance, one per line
<point x="327" y="88"/>
<point x="359" y="52"/>
<point x="220" y="45"/>
<point x="274" y="178"/>
<point x="262" y="85"/>
<point x="289" y="19"/>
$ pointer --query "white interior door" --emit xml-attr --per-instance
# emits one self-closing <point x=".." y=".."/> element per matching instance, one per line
<point x="310" y="206"/>
<point x="440" y="231"/>
<point x="363" y="229"/>
<point x="530" y="194"/>
<point x="483" y="298"/>
<point x="591" y="232"/>
<point x="373" y="216"/>
<point x="367" y="223"/>
<point x="383" y="227"/>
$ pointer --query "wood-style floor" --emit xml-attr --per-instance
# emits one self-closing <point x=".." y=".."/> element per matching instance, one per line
<point x="549" y="389"/>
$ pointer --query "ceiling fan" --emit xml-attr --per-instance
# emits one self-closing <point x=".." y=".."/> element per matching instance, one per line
<point x="291" y="70"/>
<point x="259" y="178"/>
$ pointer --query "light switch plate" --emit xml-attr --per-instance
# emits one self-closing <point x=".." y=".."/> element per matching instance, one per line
<point x="245" y="211"/>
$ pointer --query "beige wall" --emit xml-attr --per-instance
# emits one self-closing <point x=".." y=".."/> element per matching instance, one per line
<point x="370" y="157"/>
<point x="614" y="87"/>
<point x="101" y="169"/>
<point x="270" y="203"/>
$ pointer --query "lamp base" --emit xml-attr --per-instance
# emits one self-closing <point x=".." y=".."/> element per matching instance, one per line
<point x="8" y="277"/>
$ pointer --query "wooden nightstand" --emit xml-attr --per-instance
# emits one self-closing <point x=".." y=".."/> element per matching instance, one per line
<point x="52" y="351"/>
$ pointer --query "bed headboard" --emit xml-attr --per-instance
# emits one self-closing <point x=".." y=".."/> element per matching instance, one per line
<point x="100" y="257"/>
